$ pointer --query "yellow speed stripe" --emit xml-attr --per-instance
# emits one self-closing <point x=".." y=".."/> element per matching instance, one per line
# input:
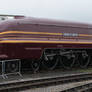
<point x="85" y="35"/>
<point x="54" y="42"/>
<point x="44" y="33"/>
<point x="40" y="33"/>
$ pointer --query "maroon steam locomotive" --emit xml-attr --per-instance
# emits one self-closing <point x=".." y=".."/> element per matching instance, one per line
<point x="46" y="42"/>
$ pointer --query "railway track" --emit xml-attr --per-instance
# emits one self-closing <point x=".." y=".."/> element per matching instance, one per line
<point x="87" y="87"/>
<point x="24" y="84"/>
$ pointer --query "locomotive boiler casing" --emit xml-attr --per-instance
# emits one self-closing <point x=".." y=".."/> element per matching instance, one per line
<point x="28" y="37"/>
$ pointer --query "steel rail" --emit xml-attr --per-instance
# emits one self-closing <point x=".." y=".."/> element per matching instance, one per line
<point x="46" y="81"/>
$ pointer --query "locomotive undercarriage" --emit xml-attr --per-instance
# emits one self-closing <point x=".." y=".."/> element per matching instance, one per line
<point x="51" y="58"/>
<point x="66" y="57"/>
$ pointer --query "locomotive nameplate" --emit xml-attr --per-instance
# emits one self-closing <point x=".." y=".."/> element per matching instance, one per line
<point x="70" y="34"/>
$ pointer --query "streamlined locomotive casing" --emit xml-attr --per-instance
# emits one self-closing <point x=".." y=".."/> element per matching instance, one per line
<point x="28" y="37"/>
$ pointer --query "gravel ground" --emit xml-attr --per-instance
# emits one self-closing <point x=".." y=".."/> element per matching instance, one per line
<point x="54" y="73"/>
<point x="56" y="88"/>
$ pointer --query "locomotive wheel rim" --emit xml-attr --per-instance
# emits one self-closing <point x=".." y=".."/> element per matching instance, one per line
<point x="35" y="65"/>
<point x="46" y="63"/>
<point x="72" y="60"/>
<point x="87" y="60"/>
<point x="12" y="67"/>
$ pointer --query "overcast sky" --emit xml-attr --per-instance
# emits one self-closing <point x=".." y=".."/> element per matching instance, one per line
<point x="71" y="10"/>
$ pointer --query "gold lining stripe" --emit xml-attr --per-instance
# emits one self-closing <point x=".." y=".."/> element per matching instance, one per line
<point x="54" y="42"/>
<point x="45" y="33"/>
<point x="85" y="35"/>
<point x="42" y="33"/>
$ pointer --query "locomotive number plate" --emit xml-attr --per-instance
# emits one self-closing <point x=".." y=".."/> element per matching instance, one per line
<point x="71" y="34"/>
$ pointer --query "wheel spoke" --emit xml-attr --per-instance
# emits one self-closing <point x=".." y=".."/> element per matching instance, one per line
<point x="67" y="62"/>
<point x="50" y="63"/>
<point x="83" y="61"/>
<point x="35" y="65"/>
